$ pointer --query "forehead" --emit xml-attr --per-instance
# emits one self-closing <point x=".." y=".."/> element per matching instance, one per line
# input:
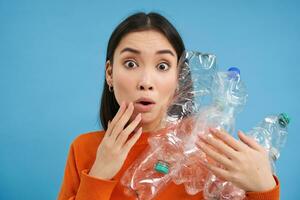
<point x="148" y="41"/>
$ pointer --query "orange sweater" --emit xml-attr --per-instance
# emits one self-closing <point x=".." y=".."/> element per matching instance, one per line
<point x="77" y="184"/>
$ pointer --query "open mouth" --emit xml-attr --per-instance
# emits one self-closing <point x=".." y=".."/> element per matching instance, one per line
<point x="145" y="103"/>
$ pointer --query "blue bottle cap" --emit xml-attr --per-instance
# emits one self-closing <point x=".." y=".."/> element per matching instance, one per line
<point x="235" y="72"/>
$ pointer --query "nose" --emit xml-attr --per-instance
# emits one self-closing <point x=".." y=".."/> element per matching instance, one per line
<point x="145" y="86"/>
<point x="145" y="82"/>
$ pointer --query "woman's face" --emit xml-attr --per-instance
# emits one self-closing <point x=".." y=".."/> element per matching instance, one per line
<point x="144" y="72"/>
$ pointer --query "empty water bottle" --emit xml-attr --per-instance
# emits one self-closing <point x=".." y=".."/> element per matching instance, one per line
<point x="271" y="133"/>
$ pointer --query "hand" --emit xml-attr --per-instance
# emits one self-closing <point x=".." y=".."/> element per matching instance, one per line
<point x="244" y="163"/>
<point x="114" y="147"/>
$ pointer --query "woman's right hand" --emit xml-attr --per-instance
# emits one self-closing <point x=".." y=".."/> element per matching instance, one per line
<point x="114" y="147"/>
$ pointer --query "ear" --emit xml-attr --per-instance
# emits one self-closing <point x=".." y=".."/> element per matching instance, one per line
<point x="108" y="73"/>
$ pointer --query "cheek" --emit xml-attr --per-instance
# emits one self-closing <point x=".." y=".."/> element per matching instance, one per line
<point x="123" y="91"/>
<point x="167" y="88"/>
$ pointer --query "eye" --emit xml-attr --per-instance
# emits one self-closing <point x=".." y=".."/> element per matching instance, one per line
<point x="163" y="66"/>
<point x="130" y="64"/>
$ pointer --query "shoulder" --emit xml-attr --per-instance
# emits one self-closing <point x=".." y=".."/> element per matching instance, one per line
<point x="84" y="148"/>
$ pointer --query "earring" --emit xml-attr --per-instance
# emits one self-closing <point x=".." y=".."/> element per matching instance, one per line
<point x="110" y="88"/>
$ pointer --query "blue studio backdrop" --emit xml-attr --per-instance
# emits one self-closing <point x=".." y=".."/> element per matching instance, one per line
<point x="52" y="56"/>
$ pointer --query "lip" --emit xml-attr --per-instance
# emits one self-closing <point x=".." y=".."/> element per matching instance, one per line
<point x="144" y="108"/>
<point x="145" y="99"/>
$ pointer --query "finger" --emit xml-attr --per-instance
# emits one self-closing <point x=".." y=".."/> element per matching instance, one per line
<point x="122" y="122"/>
<point x="218" y="144"/>
<point x="121" y="139"/>
<point x="249" y="141"/>
<point x="107" y="131"/>
<point x="116" y="118"/>
<point x="221" y="159"/>
<point x="128" y="145"/>
<point x="218" y="171"/>
<point x="228" y="139"/>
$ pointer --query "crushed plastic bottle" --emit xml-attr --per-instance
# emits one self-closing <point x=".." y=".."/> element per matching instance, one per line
<point x="195" y="78"/>
<point x="153" y="169"/>
<point x="272" y="133"/>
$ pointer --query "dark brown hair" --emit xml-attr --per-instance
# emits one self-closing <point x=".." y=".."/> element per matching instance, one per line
<point x="136" y="22"/>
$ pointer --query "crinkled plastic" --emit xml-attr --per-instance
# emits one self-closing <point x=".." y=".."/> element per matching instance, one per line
<point x="148" y="173"/>
<point x="271" y="133"/>
<point x="154" y="169"/>
<point x="176" y="150"/>
<point x="195" y="78"/>
<point x="205" y="98"/>
<point x="229" y="96"/>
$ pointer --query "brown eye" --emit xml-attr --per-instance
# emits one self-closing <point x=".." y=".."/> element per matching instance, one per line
<point x="163" y="66"/>
<point x="130" y="64"/>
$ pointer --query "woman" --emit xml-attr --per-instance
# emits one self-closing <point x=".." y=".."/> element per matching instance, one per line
<point x="141" y="77"/>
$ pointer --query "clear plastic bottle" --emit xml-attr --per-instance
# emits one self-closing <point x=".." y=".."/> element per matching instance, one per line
<point x="153" y="169"/>
<point x="195" y="78"/>
<point x="271" y="133"/>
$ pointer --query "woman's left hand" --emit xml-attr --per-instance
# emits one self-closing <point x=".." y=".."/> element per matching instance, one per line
<point x="244" y="163"/>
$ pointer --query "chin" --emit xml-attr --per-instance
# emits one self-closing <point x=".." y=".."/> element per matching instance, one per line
<point x="148" y="118"/>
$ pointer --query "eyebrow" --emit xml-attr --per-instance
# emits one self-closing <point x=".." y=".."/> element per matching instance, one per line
<point x="135" y="51"/>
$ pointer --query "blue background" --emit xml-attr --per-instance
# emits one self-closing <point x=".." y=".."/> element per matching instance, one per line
<point x="52" y="71"/>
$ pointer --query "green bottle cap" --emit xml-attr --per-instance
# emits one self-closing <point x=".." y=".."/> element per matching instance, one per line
<point x="162" y="167"/>
<point x="284" y="119"/>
